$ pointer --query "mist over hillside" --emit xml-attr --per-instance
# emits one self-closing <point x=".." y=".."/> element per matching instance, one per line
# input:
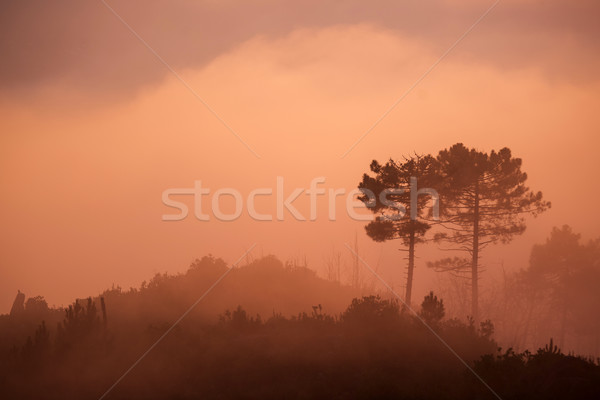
<point x="267" y="330"/>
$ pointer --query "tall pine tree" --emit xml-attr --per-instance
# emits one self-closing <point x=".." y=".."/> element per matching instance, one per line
<point x="484" y="200"/>
<point x="398" y="217"/>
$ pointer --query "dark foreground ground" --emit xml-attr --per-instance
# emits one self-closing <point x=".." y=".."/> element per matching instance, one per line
<point x="373" y="350"/>
<point x="369" y="349"/>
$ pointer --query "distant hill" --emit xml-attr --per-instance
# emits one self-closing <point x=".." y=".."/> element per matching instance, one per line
<point x="265" y="286"/>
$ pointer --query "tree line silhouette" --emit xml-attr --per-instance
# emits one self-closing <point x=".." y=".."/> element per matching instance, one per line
<point x="373" y="348"/>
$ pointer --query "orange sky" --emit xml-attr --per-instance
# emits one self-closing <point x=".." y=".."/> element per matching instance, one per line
<point x="94" y="128"/>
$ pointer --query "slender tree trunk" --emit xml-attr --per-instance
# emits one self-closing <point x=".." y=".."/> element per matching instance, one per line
<point x="411" y="267"/>
<point x="355" y="265"/>
<point x="475" y="260"/>
<point x="103" y="306"/>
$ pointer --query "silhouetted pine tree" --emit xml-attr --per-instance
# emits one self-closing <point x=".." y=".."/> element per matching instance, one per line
<point x="395" y="219"/>
<point x="483" y="200"/>
<point x="432" y="310"/>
